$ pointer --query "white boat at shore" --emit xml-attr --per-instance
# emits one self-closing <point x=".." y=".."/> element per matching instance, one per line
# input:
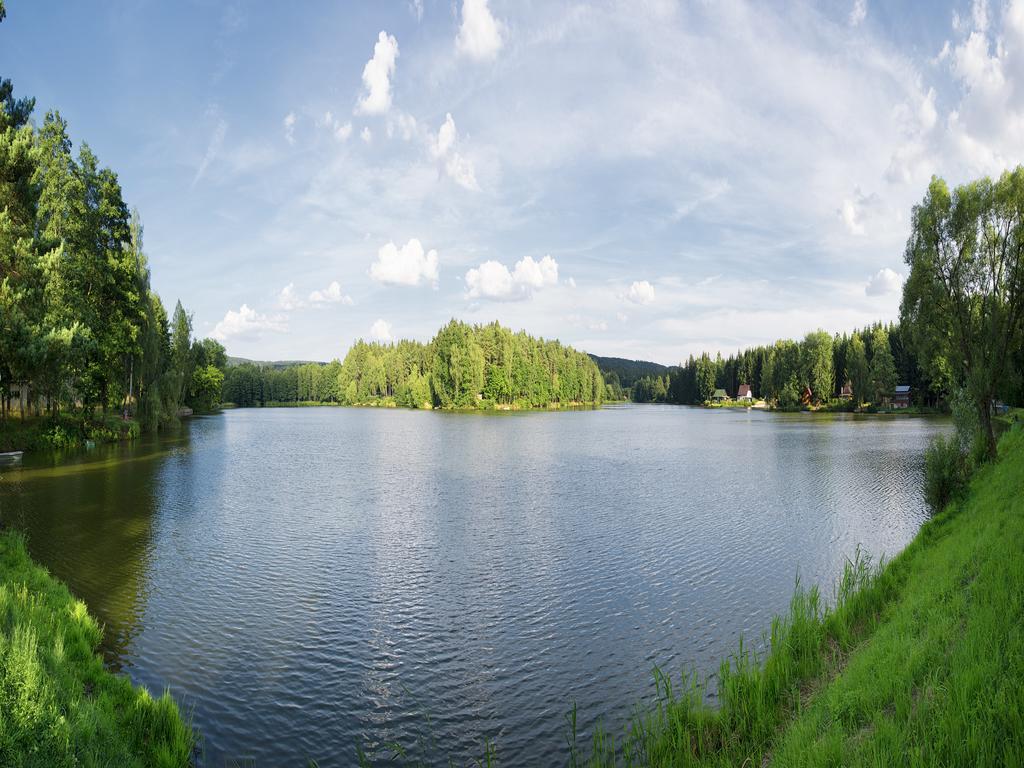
<point x="10" y="457"/>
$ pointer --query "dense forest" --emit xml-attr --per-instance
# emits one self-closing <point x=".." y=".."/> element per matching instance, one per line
<point x="80" y="327"/>
<point x="872" y="361"/>
<point x="463" y="366"/>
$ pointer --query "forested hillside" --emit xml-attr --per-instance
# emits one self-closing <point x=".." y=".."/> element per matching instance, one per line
<point x="463" y="366"/>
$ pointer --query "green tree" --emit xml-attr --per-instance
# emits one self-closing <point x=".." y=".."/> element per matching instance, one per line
<point x="964" y="298"/>
<point x="857" y="369"/>
<point x="882" y="372"/>
<point x="817" y="365"/>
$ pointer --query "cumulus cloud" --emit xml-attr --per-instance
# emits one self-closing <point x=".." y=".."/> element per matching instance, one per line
<point x="376" y="100"/>
<point x="858" y="13"/>
<point x="330" y="295"/>
<point x="883" y="282"/>
<point x="480" y="34"/>
<point x="408" y="265"/>
<point x="442" y="147"/>
<point x="340" y="131"/>
<point x="851" y="217"/>
<point x="402" y="124"/>
<point x="247" y="323"/>
<point x="493" y="280"/>
<point x="287" y="299"/>
<point x="289" y="127"/>
<point x="381" y="331"/>
<point x="641" y="292"/>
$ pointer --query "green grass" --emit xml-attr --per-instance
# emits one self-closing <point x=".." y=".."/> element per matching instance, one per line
<point x="59" y="706"/>
<point x="917" y="662"/>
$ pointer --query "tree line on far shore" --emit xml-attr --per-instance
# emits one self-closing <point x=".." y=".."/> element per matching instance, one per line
<point x="463" y="366"/>
<point x="960" y="338"/>
<point x="872" y="361"/>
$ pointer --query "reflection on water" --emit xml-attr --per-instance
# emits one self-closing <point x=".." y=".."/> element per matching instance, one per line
<point x="310" y="579"/>
<point x="90" y="518"/>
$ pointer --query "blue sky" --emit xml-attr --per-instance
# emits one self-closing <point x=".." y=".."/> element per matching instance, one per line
<point x="644" y="179"/>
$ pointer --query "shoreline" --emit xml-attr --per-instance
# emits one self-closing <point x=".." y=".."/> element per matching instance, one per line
<point x="61" y="704"/>
<point x="880" y="673"/>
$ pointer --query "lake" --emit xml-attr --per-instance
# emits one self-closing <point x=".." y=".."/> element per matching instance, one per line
<point x="307" y="580"/>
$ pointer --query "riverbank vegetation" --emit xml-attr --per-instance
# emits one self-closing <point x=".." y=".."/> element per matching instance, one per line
<point x="914" y="662"/>
<point x="81" y="330"/>
<point x="59" y="706"/>
<point x="463" y="366"/>
<point x="918" y="661"/>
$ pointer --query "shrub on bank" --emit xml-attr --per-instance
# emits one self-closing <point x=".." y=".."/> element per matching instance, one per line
<point x="59" y="706"/>
<point x="946" y="471"/>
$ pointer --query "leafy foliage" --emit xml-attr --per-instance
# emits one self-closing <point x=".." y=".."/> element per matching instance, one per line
<point x="80" y="327"/>
<point x="463" y="366"/>
<point x="964" y="298"/>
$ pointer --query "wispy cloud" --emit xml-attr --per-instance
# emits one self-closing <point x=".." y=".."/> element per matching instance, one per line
<point x="212" y="149"/>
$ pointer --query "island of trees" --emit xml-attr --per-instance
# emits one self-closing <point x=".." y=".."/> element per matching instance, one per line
<point x="463" y="366"/>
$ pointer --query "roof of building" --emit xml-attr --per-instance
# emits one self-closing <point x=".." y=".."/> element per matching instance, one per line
<point x="719" y="393"/>
<point x="743" y="391"/>
<point x="903" y="389"/>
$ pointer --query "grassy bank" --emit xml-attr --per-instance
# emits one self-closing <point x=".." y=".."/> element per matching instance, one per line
<point x="917" y="662"/>
<point x="64" y="431"/>
<point x="59" y="706"/>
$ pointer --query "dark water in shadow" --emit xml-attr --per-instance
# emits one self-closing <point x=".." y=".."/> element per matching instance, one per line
<point x="310" y="579"/>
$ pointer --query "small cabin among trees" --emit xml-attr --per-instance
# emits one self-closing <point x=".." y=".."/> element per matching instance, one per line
<point x="846" y="393"/>
<point x="901" y="396"/>
<point x="720" y="396"/>
<point x="744" y="393"/>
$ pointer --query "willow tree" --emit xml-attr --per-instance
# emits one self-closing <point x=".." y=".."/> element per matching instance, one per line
<point x="964" y="298"/>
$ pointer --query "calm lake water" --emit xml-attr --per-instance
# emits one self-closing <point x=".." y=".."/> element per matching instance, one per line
<point x="308" y="580"/>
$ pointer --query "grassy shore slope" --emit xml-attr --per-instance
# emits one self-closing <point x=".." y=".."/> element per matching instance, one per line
<point x="919" y="662"/>
<point x="59" y="706"/>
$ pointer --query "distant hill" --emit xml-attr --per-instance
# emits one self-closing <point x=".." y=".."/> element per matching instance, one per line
<point x="629" y="371"/>
<point x="277" y="365"/>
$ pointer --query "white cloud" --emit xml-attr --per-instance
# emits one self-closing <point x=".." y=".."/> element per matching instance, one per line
<point x="289" y="127"/>
<point x="340" y="131"/>
<point x="571" y="282"/>
<point x="493" y="280"/>
<point x="408" y="265"/>
<point x="883" y="282"/>
<point x="416" y="7"/>
<point x="641" y="292"/>
<point x="403" y="124"/>
<point x="366" y="134"/>
<point x="851" y="217"/>
<point x="330" y="295"/>
<point x="457" y="167"/>
<point x="377" y="77"/>
<point x="287" y="299"/>
<point x="247" y="323"/>
<point x="381" y="331"/>
<point x="858" y="13"/>
<point x="480" y="35"/>
<point x="212" y="149"/>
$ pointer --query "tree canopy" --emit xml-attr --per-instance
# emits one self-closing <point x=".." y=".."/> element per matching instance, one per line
<point x="964" y="297"/>
<point x="463" y="366"/>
